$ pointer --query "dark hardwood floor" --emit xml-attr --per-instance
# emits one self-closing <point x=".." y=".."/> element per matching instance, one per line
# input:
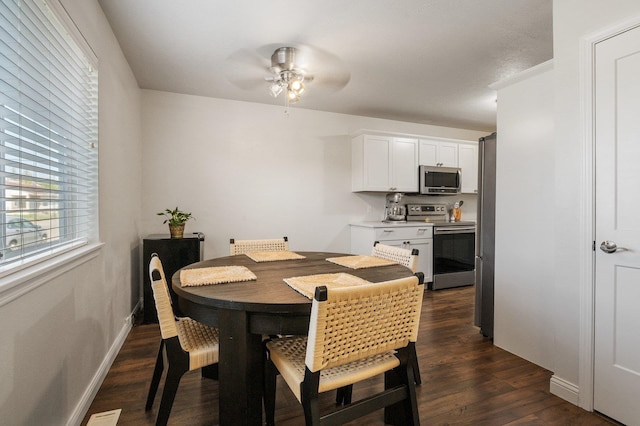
<point x="465" y="380"/>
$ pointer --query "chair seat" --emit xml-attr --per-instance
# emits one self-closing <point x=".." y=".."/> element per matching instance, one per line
<point x="288" y="355"/>
<point x="200" y="341"/>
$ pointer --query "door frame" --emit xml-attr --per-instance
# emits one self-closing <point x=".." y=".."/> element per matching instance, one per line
<point x="587" y="243"/>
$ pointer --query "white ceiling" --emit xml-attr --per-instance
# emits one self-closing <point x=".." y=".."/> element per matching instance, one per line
<point x="422" y="61"/>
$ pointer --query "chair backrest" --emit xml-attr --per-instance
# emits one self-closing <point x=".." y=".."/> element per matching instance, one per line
<point x="356" y="322"/>
<point x="248" y="246"/>
<point x="408" y="258"/>
<point x="166" y="317"/>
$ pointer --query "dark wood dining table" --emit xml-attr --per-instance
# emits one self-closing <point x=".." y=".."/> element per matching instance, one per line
<point x="246" y="311"/>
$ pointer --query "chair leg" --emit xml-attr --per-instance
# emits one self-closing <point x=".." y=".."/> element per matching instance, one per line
<point x="404" y="412"/>
<point x="209" y="372"/>
<point x="343" y="395"/>
<point x="309" y="396"/>
<point x="155" y="380"/>
<point x="270" y="375"/>
<point x="169" y="394"/>
<point x="416" y="369"/>
<point x="411" y="403"/>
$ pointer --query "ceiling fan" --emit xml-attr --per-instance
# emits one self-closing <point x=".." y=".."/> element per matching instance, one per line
<point x="288" y="76"/>
<point x="289" y="70"/>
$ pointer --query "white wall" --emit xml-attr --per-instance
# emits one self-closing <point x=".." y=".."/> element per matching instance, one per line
<point x="574" y="20"/>
<point x="247" y="171"/>
<point x="56" y="337"/>
<point x="524" y="216"/>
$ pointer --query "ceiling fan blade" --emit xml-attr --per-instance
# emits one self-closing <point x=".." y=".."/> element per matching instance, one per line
<point x="329" y="72"/>
<point x="332" y="81"/>
<point x="249" y="59"/>
<point x="246" y="69"/>
<point x="249" y="83"/>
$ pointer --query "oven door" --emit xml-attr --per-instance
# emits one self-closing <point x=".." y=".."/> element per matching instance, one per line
<point x="453" y="256"/>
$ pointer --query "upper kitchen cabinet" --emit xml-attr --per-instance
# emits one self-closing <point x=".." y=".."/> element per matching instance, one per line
<point x="468" y="163"/>
<point x="438" y="153"/>
<point x="384" y="163"/>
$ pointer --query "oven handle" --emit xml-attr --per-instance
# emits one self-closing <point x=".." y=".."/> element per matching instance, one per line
<point x="454" y="230"/>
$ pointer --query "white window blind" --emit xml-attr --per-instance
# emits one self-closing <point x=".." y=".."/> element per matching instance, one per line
<point x="48" y="135"/>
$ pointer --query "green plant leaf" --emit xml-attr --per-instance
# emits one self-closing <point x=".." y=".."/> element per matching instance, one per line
<point x="175" y="216"/>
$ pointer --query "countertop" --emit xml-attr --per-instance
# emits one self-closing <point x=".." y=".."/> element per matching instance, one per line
<point x="409" y="224"/>
<point x="381" y="224"/>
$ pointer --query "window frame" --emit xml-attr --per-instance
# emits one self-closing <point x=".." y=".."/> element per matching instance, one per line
<point x="31" y="270"/>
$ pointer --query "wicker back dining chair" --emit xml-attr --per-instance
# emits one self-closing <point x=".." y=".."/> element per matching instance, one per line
<point x="355" y="333"/>
<point x="248" y="246"/>
<point x="189" y="345"/>
<point x="405" y="257"/>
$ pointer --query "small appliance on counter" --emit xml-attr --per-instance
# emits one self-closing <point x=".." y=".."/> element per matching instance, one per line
<point x="394" y="211"/>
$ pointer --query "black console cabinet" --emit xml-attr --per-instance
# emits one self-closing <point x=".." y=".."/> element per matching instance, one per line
<point x="174" y="254"/>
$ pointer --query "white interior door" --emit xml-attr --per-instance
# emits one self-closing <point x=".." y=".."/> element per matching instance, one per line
<point x="617" y="287"/>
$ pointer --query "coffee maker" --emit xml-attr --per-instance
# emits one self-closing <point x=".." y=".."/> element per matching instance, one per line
<point x="394" y="211"/>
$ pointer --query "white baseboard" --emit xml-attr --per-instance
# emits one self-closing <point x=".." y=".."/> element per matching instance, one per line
<point x="94" y="386"/>
<point x="564" y="389"/>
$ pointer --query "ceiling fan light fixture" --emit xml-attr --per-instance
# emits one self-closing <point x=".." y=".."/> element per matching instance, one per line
<point x="296" y="86"/>
<point x="276" y="88"/>
<point x="288" y="77"/>
<point x="292" y="97"/>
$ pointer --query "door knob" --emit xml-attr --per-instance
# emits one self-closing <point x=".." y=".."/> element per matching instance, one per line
<point x="608" y="246"/>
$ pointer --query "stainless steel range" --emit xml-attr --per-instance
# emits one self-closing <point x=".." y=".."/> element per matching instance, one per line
<point x="453" y="245"/>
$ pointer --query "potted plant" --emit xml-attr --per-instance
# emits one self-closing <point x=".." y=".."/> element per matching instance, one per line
<point x="176" y="220"/>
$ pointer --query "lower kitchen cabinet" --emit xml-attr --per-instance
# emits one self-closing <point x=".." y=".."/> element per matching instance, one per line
<point x="406" y="235"/>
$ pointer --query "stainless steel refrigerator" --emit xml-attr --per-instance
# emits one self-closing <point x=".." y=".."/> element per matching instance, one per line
<point x="485" y="234"/>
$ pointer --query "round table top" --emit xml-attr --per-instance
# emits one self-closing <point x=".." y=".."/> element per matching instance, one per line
<point x="269" y="293"/>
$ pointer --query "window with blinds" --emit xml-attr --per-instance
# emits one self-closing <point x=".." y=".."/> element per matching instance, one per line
<point x="48" y="134"/>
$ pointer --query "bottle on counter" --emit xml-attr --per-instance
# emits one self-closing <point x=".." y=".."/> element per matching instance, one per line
<point x="456" y="213"/>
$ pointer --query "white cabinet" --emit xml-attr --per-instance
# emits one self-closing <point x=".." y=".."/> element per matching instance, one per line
<point x="408" y="236"/>
<point x="387" y="162"/>
<point x="384" y="163"/>
<point x="461" y="154"/>
<point x="438" y="153"/>
<point x="468" y="163"/>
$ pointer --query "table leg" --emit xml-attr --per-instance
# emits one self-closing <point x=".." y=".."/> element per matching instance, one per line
<point x="240" y="370"/>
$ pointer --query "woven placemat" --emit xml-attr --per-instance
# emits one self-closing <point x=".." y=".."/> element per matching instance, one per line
<point x="361" y="261"/>
<point x="272" y="256"/>
<point x="306" y="285"/>
<point x="215" y="275"/>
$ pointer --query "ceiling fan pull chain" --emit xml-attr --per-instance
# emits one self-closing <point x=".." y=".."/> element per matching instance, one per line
<point x="286" y="105"/>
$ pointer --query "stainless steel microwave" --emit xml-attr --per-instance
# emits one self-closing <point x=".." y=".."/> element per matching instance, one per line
<point x="439" y="180"/>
